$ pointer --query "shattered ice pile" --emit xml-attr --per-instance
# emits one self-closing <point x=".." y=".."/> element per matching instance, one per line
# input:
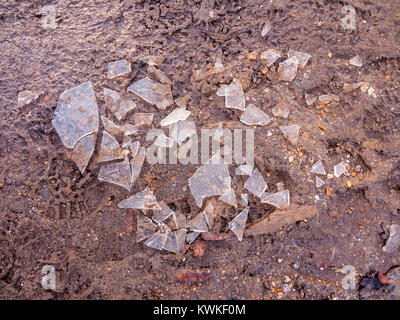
<point x="238" y="224"/>
<point x="153" y="92"/>
<point x="76" y="121"/>
<point x="234" y="95"/>
<point x="254" y="116"/>
<point x="211" y="179"/>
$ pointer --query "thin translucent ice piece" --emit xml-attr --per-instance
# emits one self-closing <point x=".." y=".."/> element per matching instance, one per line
<point x="143" y="119"/>
<point x="349" y="87"/>
<point x="280" y="199"/>
<point x="145" y="228"/>
<point x="111" y="127"/>
<point x="118" y="173"/>
<point x="282" y="109"/>
<point x="83" y="151"/>
<point x="211" y="179"/>
<point x="77" y="114"/>
<point x="176" y="241"/>
<point x="291" y="133"/>
<point x="126" y="142"/>
<point x="164" y="141"/>
<point x="318" y="168"/>
<point x="130" y="129"/>
<point x="245" y="199"/>
<point x="339" y="169"/>
<point x="26" y="97"/>
<point x="238" y="224"/>
<point x="356" y="61"/>
<point x="256" y="183"/>
<point x="301" y="56"/>
<point x="137" y="163"/>
<point x="198" y="223"/>
<point x="144" y="200"/>
<point x="159" y="75"/>
<point x="209" y="215"/>
<point x="234" y="95"/>
<point x="270" y="56"/>
<point x="153" y="60"/>
<point x="134" y="147"/>
<point x="182" y="131"/>
<point x="110" y="149"/>
<point x="229" y="198"/>
<point x="254" y="116"/>
<point x="280" y="186"/>
<point x="163" y="213"/>
<point x="328" y="98"/>
<point x="319" y="182"/>
<point x="175" y="116"/>
<point x="118" y="106"/>
<point x="393" y="243"/>
<point x="310" y="99"/>
<point x="191" y="236"/>
<point x="118" y="68"/>
<point x="287" y="69"/>
<point x="153" y="92"/>
<point x="244" y="170"/>
<point x="157" y="241"/>
<point x="218" y="66"/>
<point x="266" y="28"/>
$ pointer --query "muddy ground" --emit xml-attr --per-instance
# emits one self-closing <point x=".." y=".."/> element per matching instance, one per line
<point x="52" y="214"/>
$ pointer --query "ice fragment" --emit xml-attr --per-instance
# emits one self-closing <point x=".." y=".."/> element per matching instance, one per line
<point x="256" y="183"/>
<point x="234" y="95"/>
<point x="118" y="173"/>
<point x="291" y="133"/>
<point x="238" y="224"/>
<point x="318" y="168"/>
<point x="110" y="149"/>
<point x="288" y="69"/>
<point x="254" y="116"/>
<point x="144" y="200"/>
<point x="118" y="106"/>
<point x="280" y="199"/>
<point x="175" y="116"/>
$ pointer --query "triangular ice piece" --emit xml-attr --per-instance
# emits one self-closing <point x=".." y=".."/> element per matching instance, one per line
<point x="280" y="199"/>
<point x="256" y="183"/>
<point x="110" y="149"/>
<point x="291" y="133"/>
<point x="144" y="200"/>
<point x="229" y="198"/>
<point x="145" y="228"/>
<point x="118" y="173"/>
<point x="254" y="116"/>
<point x="318" y="168"/>
<point x="238" y="224"/>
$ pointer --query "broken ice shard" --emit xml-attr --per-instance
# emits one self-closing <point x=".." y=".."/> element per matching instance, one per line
<point x="191" y="236"/>
<point x="163" y="213"/>
<point x="244" y="170"/>
<point x="270" y="56"/>
<point x="356" y="61"/>
<point x="182" y="131"/>
<point x="328" y="98"/>
<point x="144" y="200"/>
<point x="158" y="240"/>
<point x="256" y="183"/>
<point x="153" y="60"/>
<point x="26" y="97"/>
<point x="229" y="198"/>
<point x="175" y="116"/>
<point x="393" y="243"/>
<point x="83" y="151"/>
<point x="159" y="75"/>
<point x="266" y="28"/>
<point x="234" y="95"/>
<point x="218" y="66"/>
<point x="110" y="149"/>
<point x="280" y="199"/>
<point x="143" y="119"/>
<point x="301" y="56"/>
<point x="176" y="241"/>
<point x="145" y="228"/>
<point x="349" y="87"/>
<point x="310" y="99"/>
<point x="287" y="69"/>
<point x="209" y="215"/>
<point x="111" y="127"/>
<point x="76" y="117"/>
<point x="319" y="182"/>
<point x="118" y="69"/>
<point x="254" y="116"/>
<point x="291" y="133"/>
<point x="118" y="106"/>
<point x="118" y="173"/>
<point x="339" y="169"/>
<point x="211" y="179"/>
<point x="282" y="109"/>
<point x="245" y="199"/>
<point x="238" y="224"/>
<point x="137" y="163"/>
<point x="318" y="168"/>
<point x="164" y="141"/>
<point x="153" y="92"/>
<point x="198" y="223"/>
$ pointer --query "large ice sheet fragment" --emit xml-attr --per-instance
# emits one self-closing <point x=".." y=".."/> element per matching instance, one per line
<point x="234" y="95"/>
<point x="211" y="179"/>
<point x="301" y="56"/>
<point x="175" y="116"/>
<point x="291" y="133"/>
<point x="144" y="200"/>
<point x="280" y="199"/>
<point x="145" y="228"/>
<point x="254" y="116"/>
<point x="77" y="114"/>
<point x="153" y="92"/>
<point x="118" y="69"/>
<point x="270" y="56"/>
<point x="118" y="173"/>
<point x="238" y="224"/>
<point x="176" y="241"/>
<point x="83" y="151"/>
<point x="110" y="149"/>
<point x="117" y="105"/>
<point x="256" y="183"/>
<point x="339" y="169"/>
<point x="288" y="69"/>
<point x="318" y="168"/>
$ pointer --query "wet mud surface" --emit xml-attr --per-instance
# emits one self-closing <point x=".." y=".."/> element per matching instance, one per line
<point x="52" y="214"/>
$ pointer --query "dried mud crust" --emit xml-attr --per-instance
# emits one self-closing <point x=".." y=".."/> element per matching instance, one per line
<point x="51" y="214"/>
